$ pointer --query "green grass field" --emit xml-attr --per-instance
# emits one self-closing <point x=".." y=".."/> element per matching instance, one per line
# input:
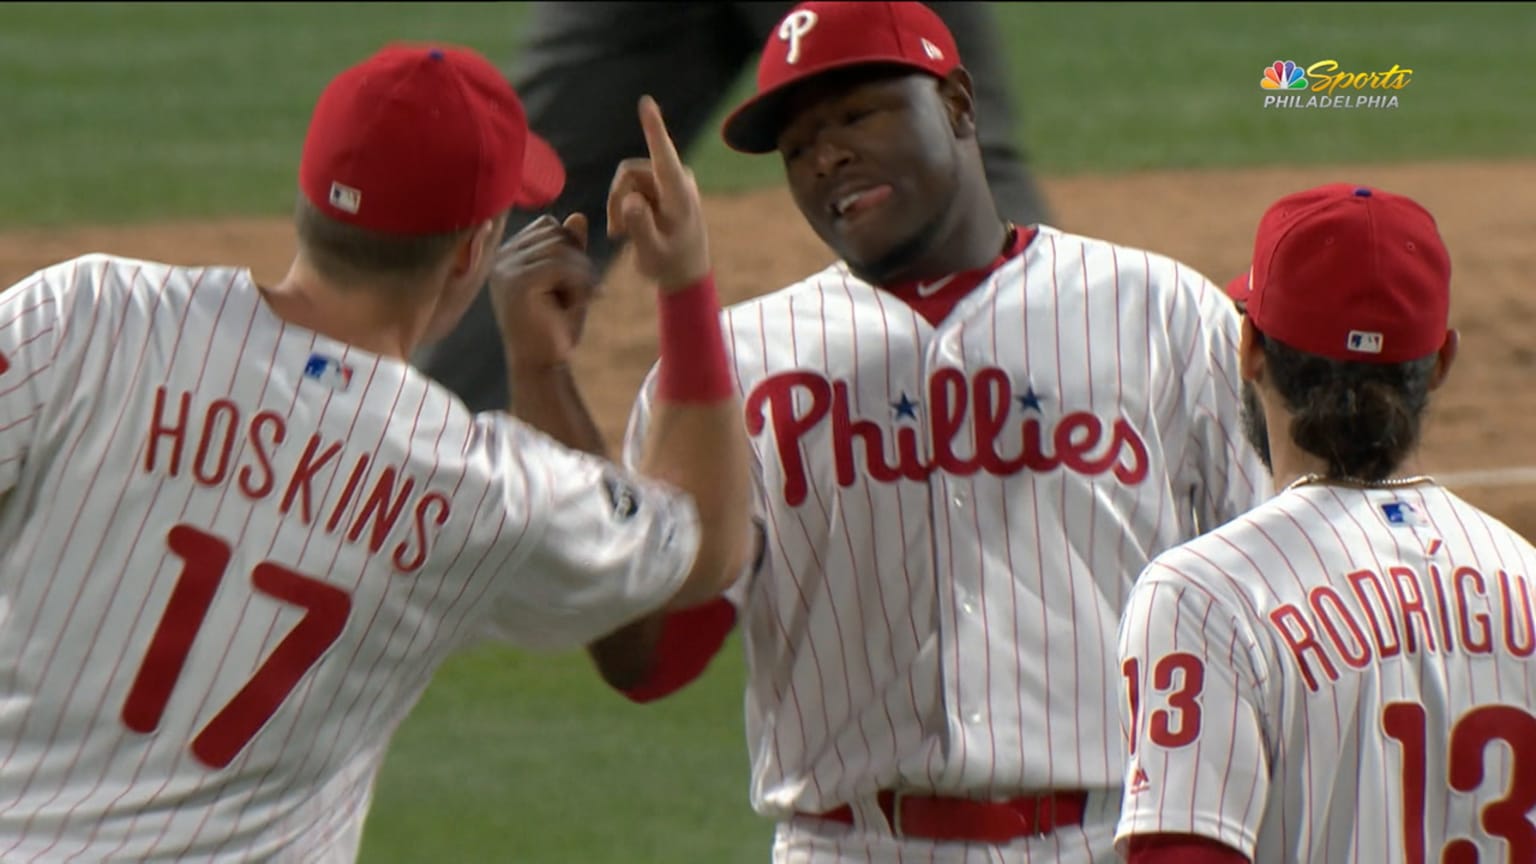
<point x="126" y="112"/>
<point x="135" y="112"/>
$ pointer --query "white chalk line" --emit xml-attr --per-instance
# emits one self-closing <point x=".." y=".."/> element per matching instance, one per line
<point x="1513" y="476"/>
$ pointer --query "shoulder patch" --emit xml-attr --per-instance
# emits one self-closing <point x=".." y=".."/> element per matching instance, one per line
<point x="623" y="497"/>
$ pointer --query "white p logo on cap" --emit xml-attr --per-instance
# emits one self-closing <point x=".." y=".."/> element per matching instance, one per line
<point x="793" y="29"/>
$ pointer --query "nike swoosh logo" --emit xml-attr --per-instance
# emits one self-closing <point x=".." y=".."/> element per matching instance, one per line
<point x="933" y="288"/>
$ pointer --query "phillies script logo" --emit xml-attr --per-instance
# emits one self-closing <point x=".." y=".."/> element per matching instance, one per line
<point x="1080" y="441"/>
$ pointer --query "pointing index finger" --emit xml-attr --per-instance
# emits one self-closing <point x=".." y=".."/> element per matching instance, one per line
<point x="664" y="159"/>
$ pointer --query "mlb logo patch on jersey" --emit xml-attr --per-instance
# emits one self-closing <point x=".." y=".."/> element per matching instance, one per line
<point x="329" y="371"/>
<point x="1403" y="514"/>
<point x="5" y="365"/>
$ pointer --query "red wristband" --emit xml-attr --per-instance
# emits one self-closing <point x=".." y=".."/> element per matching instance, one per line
<point x="690" y="639"/>
<point x="694" y="367"/>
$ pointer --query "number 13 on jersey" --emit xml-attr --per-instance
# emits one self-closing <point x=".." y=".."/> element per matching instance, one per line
<point x="1173" y="689"/>
<point x="1177" y="680"/>
<point x="1471" y="736"/>
<point x="205" y="560"/>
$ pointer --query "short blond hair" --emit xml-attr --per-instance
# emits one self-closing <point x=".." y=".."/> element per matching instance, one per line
<point x="348" y="254"/>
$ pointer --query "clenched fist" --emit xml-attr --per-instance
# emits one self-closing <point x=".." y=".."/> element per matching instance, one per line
<point x="541" y="285"/>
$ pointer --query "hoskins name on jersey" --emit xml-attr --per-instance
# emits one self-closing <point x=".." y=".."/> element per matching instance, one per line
<point x="204" y="441"/>
<point x="1081" y="441"/>
<point x="1403" y="613"/>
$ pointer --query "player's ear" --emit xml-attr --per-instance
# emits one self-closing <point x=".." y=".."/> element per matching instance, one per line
<point x="1445" y="358"/>
<point x="1250" y="352"/>
<point x="480" y="242"/>
<point x="959" y="96"/>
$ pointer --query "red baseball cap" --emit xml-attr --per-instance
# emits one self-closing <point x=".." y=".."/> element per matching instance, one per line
<point x="1351" y="273"/>
<point x="818" y="37"/>
<point x="424" y="139"/>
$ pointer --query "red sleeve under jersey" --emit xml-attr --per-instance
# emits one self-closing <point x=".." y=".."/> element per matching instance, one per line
<point x="690" y="638"/>
<point x="1181" y="849"/>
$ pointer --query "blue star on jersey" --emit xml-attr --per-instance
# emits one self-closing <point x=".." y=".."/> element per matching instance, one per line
<point x="1030" y="401"/>
<point x="906" y="409"/>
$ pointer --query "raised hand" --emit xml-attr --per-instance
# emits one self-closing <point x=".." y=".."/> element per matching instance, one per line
<point x="541" y="285"/>
<point x="655" y="204"/>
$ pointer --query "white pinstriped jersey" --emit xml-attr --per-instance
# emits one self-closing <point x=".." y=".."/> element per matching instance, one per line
<point x="234" y="552"/>
<point x="1343" y="675"/>
<point x="931" y="614"/>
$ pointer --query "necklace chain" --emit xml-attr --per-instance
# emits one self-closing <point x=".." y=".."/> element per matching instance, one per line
<point x="1392" y="483"/>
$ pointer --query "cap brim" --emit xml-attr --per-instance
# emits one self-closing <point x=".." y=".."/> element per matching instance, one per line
<point x="543" y="175"/>
<point x="1239" y="289"/>
<point x="755" y="125"/>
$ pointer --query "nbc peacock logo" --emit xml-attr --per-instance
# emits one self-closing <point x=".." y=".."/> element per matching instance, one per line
<point x="1283" y="75"/>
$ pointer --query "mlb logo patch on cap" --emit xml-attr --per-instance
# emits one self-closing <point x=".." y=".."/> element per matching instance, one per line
<point x="437" y="136"/>
<point x="1349" y="273"/>
<point x="346" y="198"/>
<point x="1364" y="342"/>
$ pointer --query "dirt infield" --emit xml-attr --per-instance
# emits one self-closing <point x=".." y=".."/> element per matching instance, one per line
<point x="1485" y="421"/>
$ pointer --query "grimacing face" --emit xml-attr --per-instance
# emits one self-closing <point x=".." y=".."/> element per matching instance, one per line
<point x="873" y="162"/>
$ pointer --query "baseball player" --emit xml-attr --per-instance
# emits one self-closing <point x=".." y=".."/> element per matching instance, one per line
<point x="602" y="56"/>
<point x="242" y="532"/>
<point x="967" y="438"/>
<point x="1345" y="673"/>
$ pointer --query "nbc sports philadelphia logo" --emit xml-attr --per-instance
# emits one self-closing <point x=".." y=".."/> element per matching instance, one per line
<point x="1325" y="85"/>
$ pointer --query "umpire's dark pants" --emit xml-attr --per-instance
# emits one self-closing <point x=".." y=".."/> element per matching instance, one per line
<point x="583" y="67"/>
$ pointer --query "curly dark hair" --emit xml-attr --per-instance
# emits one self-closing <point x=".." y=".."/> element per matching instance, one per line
<point x="1363" y="419"/>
